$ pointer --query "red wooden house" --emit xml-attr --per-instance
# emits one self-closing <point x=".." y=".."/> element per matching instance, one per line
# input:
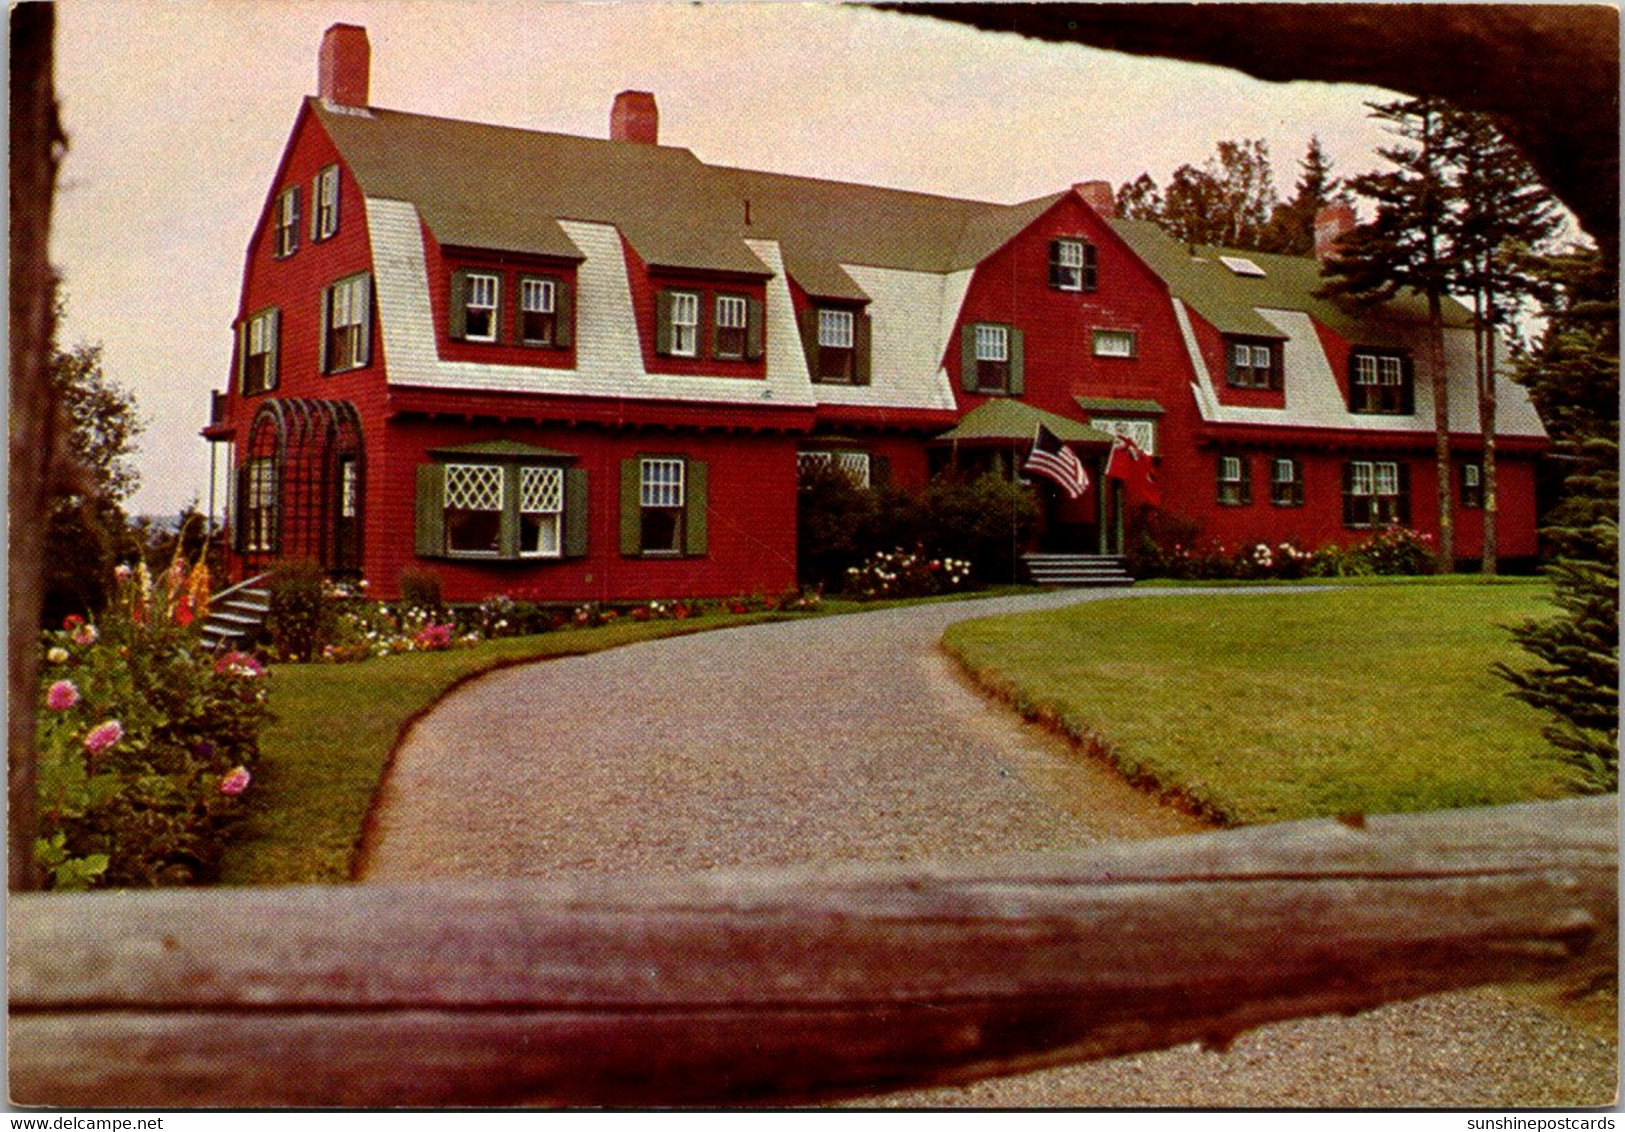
<point x="577" y="368"/>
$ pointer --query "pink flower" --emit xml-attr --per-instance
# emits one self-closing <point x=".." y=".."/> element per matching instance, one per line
<point x="122" y="573"/>
<point x="62" y="696"/>
<point x="236" y="663"/>
<point x="84" y="635"/>
<point x="236" y="782"/>
<point x="103" y="736"/>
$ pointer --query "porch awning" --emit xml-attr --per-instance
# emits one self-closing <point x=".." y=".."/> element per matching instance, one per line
<point x="1003" y="421"/>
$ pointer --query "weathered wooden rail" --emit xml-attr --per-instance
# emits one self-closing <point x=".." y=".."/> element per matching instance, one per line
<point x="772" y="987"/>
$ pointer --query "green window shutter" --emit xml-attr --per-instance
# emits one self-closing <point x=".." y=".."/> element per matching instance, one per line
<point x="967" y="358"/>
<point x="755" y="328"/>
<point x="239" y="533"/>
<point x="631" y="507"/>
<point x="1218" y="477"/>
<point x="365" y="354"/>
<point x="1091" y="267"/>
<point x="862" y="348"/>
<point x="696" y="532"/>
<point x="322" y="325"/>
<point x="431" y="511"/>
<point x="879" y="471"/>
<point x="338" y="186"/>
<point x="508" y="523"/>
<point x="1408" y="389"/>
<point x="315" y="207"/>
<point x="1277" y="365"/>
<point x="242" y="356"/>
<point x="1018" y="362"/>
<point x="273" y="361"/>
<point x="663" y="305"/>
<point x="1348" y="493"/>
<point x="809" y="339"/>
<point x="457" y="308"/>
<point x="575" y="512"/>
<point x="564" y="314"/>
<point x="1246" y="480"/>
<point x="1404" y="508"/>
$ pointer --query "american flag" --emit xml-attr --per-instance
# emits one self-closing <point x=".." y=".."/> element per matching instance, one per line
<point x="1050" y="457"/>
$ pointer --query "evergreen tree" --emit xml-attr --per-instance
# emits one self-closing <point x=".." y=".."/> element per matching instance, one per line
<point x="1407" y="247"/>
<point x="1501" y="214"/>
<point x="1291" y="230"/>
<point x="1572" y="374"/>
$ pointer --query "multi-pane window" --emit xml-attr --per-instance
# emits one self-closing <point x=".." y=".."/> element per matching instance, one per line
<point x="732" y="319"/>
<point x="660" y="497"/>
<point x="287" y="221"/>
<point x="1114" y="343"/>
<point x="349" y="488"/>
<point x="853" y="465"/>
<point x="349" y="323"/>
<point x="538" y="311"/>
<point x="1254" y="365"/>
<point x="1071" y="265"/>
<point x="473" y="508"/>
<point x="325" y="218"/>
<point x="1142" y="432"/>
<point x="259" y="506"/>
<point x="480" y="300"/>
<point x="541" y="511"/>
<point x="1379" y="383"/>
<point x="1235" y="485"/>
<point x="1375" y="494"/>
<point x="685" y="323"/>
<point x="260" y="350"/>
<point x="1472" y="486"/>
<point x="992" y="356"/>
<point x="836" y="342"/>
<point x="1286" y="482"/>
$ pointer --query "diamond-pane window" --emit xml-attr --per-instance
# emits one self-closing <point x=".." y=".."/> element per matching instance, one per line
<point x="474" y="487"/>
<point x="541" y="489"/>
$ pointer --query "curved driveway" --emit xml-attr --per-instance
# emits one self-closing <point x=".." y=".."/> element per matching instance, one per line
<point x="851" y="738"/>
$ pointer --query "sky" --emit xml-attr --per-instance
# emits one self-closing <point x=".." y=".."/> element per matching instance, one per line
<point x="177" y="114"/>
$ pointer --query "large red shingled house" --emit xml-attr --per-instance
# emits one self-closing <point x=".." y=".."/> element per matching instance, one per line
<point x="575" y="368"/>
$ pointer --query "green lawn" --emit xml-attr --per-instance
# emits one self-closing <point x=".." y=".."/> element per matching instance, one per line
<point x="335" y="725"/>
<point x="1273" y="706"/>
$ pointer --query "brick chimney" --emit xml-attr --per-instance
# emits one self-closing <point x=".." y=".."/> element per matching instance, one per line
<point x="1098" y="195"/>
<point x="344" y="66"/>
<point x="1332" y="223"/>
<point x="635" y="118"/>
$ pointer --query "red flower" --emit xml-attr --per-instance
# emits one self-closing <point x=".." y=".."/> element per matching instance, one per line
<point x="72" y="621"/>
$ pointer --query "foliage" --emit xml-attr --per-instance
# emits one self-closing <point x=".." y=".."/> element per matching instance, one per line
<point x="1228" y="201"/>
<point x="144" y="740"/>
<point x="983" y="521"/>
<point x="421" y="588"/>
<point x="1168" y="547"/>
<point x="902" y="573"/>
<point x="300" y="620"/>
<point x="1279" y="706"/>
<point x="360" y="629"/>
<point x="1291" y="228"/>
<point x="839" y="523"/>
<point x="1140" y="199"/>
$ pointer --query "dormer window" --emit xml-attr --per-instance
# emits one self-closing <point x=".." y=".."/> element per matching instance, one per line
<point x="732" y="321"/>
<point x="538" y="311"/>
<point x="1380" y="383"/>
<point x="324" y="212"/>
<point x="480" y="307"/>
<point x="1253" y="365"/>
<point x="836" y="341"/>
<point x="287" y="222"/>
<point x="1071" y="265"/>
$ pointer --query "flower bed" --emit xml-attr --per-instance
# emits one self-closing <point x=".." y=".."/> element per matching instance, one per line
<point x="1183" y="553"/>
<point x="904" y="573"/>
<point x="144" y="739"/>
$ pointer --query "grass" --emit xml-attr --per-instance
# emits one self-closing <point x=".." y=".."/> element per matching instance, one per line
<point x="334" y="727"/>
<point x="1269" y="707"/>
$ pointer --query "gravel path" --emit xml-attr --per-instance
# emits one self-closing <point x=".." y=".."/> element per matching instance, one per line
<point x="852" y="738"/>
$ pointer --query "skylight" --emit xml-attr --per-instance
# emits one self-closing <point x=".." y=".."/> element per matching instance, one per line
<point x="1241" y="266"/>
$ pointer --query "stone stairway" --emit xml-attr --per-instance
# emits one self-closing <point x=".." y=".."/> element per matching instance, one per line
<point x="1077" y="569"/>
<point x="237" y="614"/>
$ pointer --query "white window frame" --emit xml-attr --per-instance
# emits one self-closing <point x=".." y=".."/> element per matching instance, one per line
<point x="541" y="496"/>
<point x="350" y="311"/>
<point x="484" y="295"/>
<point x="1104" y="338"/>
<point x="1392" y="370"/>
<point x="260" y="505"/>
<point x="685" y="324"/>
<point x="349" y="483"/>
<point x="1142" y="433"/>
<point x="1385" y="478"/>
<point x="1230" y="469"/>
<point x="539" y="297"/>
<point x="836" y="329"/>
<point x="1362" y="479"/>
<point x="661" y="481"/>
<point x="1365" y="369"/>
<point x="1471" y="475"/>
<point x="262" y="342"/>
<point x="488" y="476"/>
<point x="327" y="207"/>
<point x="992" y="342"/>
<point x="1069" y="260"/>
<point x="732" y="314"/>
<point x="287" y="222"/>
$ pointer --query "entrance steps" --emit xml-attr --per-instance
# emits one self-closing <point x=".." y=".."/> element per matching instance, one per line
<point x="236" y="615"/>
<point x="1077" y="569"/>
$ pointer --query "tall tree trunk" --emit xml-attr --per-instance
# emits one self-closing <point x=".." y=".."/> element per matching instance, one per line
<point x="35" y="141"/>
<point x="1486" y="417"/>
<point x="1441" y="434"/>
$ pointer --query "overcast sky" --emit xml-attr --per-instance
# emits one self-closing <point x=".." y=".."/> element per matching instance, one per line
<point x="178" y="112"/>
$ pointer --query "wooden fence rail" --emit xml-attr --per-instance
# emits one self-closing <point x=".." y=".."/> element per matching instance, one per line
<point x="772" y="987"/>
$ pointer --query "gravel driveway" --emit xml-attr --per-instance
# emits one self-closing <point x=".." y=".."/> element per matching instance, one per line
<point x="851" y="738"/>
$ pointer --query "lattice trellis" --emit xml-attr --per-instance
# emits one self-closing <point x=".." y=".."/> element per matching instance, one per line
<point x="301" y="485"/>
<point x="473" y="487"/>
<point x="541" y="490"/>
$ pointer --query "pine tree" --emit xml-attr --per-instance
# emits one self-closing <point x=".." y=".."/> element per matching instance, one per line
<point x="1406" y="247"/>
<point x="1291" y="230"/>
<point x="1573" y="377"/>
<point x="1501" y="215"/>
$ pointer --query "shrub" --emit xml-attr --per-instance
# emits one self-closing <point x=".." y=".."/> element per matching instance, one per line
<point x="839" y="524"/>
<point x="421" y="588"/>
<point x="1398" y="551"/>
<point x="300" y="620"/>
<point x="984" y="521"/>
<point x="145" y="741"/>
<point x="901" y="573"/>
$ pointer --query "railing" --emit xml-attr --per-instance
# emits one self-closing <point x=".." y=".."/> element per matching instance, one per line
<point x="772" y="987"/>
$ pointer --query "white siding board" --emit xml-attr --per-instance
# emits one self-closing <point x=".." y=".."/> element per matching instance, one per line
<point x="906" y="314"/>
<point x="787" y="377"/>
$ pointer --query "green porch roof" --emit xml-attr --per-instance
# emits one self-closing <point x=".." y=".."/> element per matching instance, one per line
<point x="1143" y="406"/>
<point x="1002" y="420"/>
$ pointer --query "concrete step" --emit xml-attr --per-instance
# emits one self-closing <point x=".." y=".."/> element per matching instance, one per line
<point x="1049" y="569"/>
